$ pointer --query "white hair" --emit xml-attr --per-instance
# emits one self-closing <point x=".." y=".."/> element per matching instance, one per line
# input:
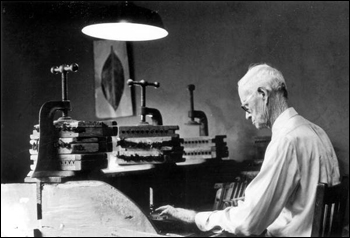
<point x="263" y="75"/>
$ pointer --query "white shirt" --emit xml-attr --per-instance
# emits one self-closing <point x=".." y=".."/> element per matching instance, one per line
<point x="281" y="197"/>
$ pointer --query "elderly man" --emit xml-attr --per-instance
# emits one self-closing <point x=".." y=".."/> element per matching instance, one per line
<point x="280" y="200"/>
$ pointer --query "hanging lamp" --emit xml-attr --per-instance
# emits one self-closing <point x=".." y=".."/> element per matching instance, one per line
<point x="127" y="22"/>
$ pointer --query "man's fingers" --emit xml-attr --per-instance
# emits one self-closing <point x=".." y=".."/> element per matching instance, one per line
<point x="162" y="208"/>
<point x="163" y="212"/>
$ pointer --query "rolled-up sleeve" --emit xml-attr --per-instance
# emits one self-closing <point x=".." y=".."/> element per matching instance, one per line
<point x="265" y="196"/>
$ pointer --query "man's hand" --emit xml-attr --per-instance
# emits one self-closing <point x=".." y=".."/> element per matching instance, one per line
<point x="181" y="214"/>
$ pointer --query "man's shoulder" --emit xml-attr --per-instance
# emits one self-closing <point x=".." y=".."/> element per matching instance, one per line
<point x="299" y="130"/>
<point x="298" y="125"/>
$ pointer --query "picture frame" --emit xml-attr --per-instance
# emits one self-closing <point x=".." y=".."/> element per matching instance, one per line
<point x="113" y="97"/>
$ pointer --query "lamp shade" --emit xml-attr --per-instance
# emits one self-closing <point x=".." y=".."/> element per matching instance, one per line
<point x="127" y="22"/>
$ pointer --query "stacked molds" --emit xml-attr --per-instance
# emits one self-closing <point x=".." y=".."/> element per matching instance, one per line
<point x="204" y="147"/>
<point x="79" y="145"/>
<point x="148" y="144"/>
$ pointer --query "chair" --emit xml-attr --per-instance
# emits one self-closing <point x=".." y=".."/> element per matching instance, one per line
<point x="330" y="208"/>
<point x="229" y="193"/>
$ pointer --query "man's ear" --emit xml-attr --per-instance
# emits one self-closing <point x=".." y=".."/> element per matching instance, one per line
<point x="264" y="93"/>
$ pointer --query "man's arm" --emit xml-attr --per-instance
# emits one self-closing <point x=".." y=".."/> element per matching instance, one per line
<point x="181" y="214"/>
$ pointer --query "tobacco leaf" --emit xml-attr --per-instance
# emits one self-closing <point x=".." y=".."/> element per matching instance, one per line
<point x="112" y="79"/>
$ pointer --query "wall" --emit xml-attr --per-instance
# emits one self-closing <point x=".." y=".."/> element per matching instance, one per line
<point x="210" y="45"/>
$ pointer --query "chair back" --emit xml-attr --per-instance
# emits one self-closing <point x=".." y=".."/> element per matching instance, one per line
<point x="229" y="193"/>
<point x="330" y="208"/>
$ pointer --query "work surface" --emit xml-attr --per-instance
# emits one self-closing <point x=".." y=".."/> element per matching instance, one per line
<point x="117" y="206"/>
<point x="76" y="209"/>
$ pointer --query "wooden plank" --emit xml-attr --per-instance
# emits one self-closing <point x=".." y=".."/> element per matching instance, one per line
<point x="204" y="141"/>
<point x="29" y="179"/>
<point x="81" y="129"/>
<point x="146" y="131"/>
<point x="143" y="153"/>
<point x="90" y="208"/>
<point x="197" y="153"/>
<point x="50" y="176"/>
<point x="79" y="139"/>
<point x="76" y="124"/>
<point x="75" y="148"/>
<point x="152" y="140"/>
<point x="84" y="132"/>
<point x="146" y="143"/>
<point x="318" y="212"/>
<point x="79" y="165"/>
<point x="205" y="147"/>
<point x="171" y="157"/>
<point x="18" y="210"/>
<point x="199" y="149"/>
<point x="74" y="157"/>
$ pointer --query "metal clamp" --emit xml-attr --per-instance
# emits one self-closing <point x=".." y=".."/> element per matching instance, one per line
<point x="154" y="113"/>
<point x="192" y="114"/>
<point x="64" y="69"/>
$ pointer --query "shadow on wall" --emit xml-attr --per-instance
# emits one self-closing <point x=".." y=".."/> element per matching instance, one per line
<point x="343" y="162"/>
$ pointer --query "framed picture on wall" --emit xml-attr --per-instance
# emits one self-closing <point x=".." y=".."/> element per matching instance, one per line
<point x="113" y="97"/>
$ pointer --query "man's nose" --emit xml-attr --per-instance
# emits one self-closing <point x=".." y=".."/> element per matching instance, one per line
<point x="248" y="115"/>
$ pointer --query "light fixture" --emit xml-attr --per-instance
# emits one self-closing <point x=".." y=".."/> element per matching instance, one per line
<point x="127" y="22"/>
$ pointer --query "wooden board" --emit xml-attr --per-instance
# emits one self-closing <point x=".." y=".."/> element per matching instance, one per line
<point x="146" y="131"/>
<point x="79" y="139"/>
<point x="83" y="132"/>
<point x="147" y="158"/>
<point x="77" y="162"/>
<point x="71" y="209"/>
<point x="79" y="165"/>
<point x="204" y="153"/>
<point x="204" y="147"/>
<point x="149" y="142"/>
<point x="90" y="208"/>
<point x="149" y="150"/>
<point x="74" y="148"/>
<point x="75" y="124"/>
<point x="81" y="129"/>
<point x="75" y="157"/>
<point x="18" y="210"/>
<point x="203" y="141"/>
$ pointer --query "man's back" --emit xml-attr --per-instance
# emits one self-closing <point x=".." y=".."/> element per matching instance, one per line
<point x="316" y="162"/>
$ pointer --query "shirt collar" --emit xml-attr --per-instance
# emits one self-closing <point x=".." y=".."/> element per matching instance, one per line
<point x="282" y="119"/>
